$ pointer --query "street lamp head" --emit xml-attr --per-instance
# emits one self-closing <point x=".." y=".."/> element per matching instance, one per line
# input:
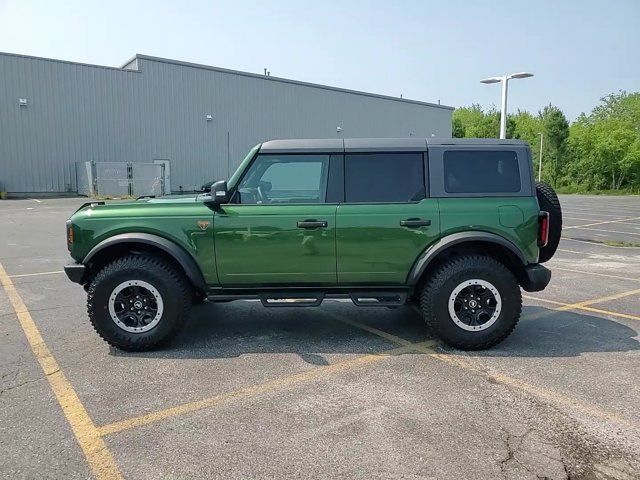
<point x="520" y="75"/>
<point x="491" y="80"/>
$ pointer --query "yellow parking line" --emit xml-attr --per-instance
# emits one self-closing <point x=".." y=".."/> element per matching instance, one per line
<point x="425" y="347"/>
<point x="35" y="274"/>
<point x="257" y="389"/>
<point x="375" y="331"/>
<point x="99" y="458"/>
<point x="608" y="312"/>
<point x="546" y="394"/>
<point x="615" y="296"/>
<point x="601" y="223"/>
<point x="579" y="306"/>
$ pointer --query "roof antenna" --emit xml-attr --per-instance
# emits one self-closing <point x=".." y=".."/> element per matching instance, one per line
<point x="400" y="95"/>
<point x="265" y="72"/>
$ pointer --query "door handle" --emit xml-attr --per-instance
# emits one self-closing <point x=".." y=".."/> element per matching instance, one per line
<point x="415" y="222"/>
<point x="312" y="224"/>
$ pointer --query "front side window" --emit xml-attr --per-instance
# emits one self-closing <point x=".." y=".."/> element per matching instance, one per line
<point x="384" y="178"/>
<point x="281" y="179"/>
<point x="481" y="171"/>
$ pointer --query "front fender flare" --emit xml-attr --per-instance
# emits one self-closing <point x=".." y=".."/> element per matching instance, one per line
<point x="455" y="238"/>
<point x="179" y="254"/>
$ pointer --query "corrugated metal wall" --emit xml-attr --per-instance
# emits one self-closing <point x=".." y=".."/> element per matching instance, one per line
<point x="77" y="112"/>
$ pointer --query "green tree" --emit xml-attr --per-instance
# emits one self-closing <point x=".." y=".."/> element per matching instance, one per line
<point x="600" y="150"/>
<point x="527" y="127"/>
<point x="556" y="133"/>
<point x="604" y="146"/>
<point x="473" y="122"/>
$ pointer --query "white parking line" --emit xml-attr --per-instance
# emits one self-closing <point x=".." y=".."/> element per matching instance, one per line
<point x="594" y="214"/>
<point x="35" y="274"/>
<point x="605" y="230"/>
<point x="602" y="223"/>
<point x="596" y="244"/>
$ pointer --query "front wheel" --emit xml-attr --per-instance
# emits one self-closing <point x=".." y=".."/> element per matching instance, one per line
<point x="471" y="302"/>
<point x="138" y="302"/>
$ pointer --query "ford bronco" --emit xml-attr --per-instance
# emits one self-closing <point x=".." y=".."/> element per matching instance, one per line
<point x="453" y="227"/>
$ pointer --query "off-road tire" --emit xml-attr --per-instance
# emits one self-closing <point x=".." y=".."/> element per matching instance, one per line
<point x="171" y="285"/>
<point x="435" y="295"/>
<point x="548" y="202"/>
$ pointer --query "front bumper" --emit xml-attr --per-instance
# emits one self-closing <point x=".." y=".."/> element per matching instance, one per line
<point x="75" y="272"/>
<point x="537" y="278"/>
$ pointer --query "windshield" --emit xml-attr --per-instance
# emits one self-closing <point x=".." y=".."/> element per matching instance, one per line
<point x="236" y="175"/>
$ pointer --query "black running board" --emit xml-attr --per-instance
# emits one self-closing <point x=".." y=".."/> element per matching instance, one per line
<point x="314" y="298"/>
<point x="292" y="299"/>
<point x="378" y="299"/>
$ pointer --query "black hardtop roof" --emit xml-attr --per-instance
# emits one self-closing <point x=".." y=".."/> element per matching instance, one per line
<point x="327" y="145"/>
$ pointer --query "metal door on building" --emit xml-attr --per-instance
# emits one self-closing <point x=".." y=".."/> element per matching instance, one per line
<point x="112" y="179"/>
<point x="147" y="179"/>
<point x="120" y="179"/>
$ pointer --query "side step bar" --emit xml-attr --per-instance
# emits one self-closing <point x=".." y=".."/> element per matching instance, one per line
<point x="378" y="299"/>
<point x="364" y="298"/>
<point x="289" y="299"/>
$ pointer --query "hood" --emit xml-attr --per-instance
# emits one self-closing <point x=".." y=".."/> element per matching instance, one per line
<point x="177" y="205"/>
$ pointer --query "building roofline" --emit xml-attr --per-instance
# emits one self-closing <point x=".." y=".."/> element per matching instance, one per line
<point x="68" y="62"/>
<point x="283" y="80"/>
<point x="229" y="71"/>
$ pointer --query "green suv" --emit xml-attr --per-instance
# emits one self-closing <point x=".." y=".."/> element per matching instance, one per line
<point x="452" y="227"/>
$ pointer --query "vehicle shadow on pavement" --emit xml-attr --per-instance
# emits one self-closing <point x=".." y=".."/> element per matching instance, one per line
<point x="544" y="332"/>
<point x="239" y="328"/>
<point x="227" y="330"/>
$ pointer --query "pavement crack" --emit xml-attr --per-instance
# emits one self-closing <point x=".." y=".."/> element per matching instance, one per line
<point x="19" y="385"/>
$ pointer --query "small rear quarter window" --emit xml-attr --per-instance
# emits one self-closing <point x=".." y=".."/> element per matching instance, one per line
<point x="481" y="171"/>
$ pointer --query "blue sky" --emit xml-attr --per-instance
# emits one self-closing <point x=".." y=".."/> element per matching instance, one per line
<point x="425" y="50"/>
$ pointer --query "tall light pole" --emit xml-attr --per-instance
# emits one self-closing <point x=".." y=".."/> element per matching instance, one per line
<point x="505" y="82"/>
<point x="540" y="161"/>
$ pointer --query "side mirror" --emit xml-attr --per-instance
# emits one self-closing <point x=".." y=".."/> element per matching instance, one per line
<point x="219" y="192"/>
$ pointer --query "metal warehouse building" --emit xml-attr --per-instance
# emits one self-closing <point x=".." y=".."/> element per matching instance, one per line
<point x="197" y="121"/>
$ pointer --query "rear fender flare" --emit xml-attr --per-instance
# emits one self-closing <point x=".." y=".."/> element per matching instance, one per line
<point x="182" y="257"/>
<point x="441" y="245"/>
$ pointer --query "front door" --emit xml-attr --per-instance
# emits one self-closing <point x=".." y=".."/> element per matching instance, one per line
<point x="386" y="221"/>
<point x="278" y="230"/>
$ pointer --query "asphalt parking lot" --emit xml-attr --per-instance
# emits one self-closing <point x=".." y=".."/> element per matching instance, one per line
<point x="333" y="392"/>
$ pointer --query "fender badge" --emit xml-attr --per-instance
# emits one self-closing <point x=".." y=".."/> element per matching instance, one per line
<point x="203" y="224"/>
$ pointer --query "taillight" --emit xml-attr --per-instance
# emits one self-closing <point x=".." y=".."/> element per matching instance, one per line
<point x="543" y="229"/>
<point x="69" y="235"/>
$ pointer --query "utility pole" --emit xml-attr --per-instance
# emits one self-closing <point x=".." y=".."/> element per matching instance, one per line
<point x="540" y="161"/>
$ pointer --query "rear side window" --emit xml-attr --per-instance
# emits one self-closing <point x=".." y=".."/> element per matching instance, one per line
<point x="481" y="171"/>
<point x="384" y="177"/>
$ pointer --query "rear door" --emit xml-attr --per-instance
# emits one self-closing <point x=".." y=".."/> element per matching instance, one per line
<point x="486" y="188"/>
<point x="386" y="220"/>
<point x="280" y="229"/>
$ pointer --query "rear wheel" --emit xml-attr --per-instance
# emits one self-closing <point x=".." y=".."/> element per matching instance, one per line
<point x="138" y="302"/>
<point x="471" y="302"/>
<point x="548" y="202"/>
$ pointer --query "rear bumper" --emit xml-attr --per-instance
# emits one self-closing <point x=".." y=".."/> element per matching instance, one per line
<point x="537" y="278"/>
<point x="75" y="272"/>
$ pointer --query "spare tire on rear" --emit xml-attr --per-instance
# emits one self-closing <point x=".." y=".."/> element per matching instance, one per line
<point x="548" y="202"/>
